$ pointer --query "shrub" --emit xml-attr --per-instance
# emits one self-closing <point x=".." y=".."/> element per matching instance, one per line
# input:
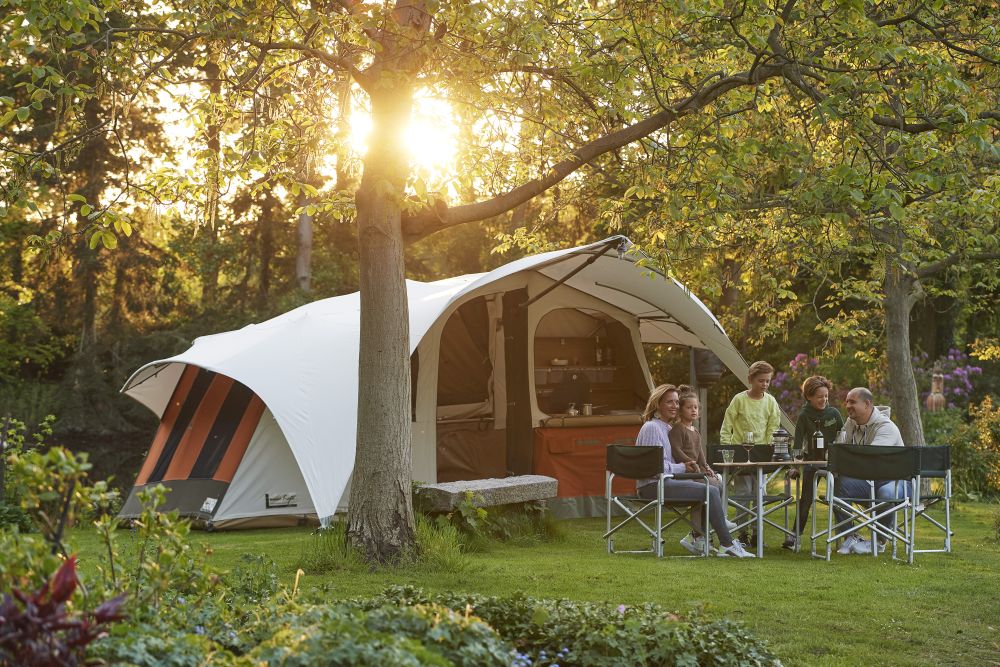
<point x="957" y="369"/>
<point x="975" y="453"/>
<point x="37" y="628"/>
<point x="565" y="632"/>
<point x="346" y="634"/>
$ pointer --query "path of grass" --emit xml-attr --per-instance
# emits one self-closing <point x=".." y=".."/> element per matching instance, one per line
<point x="943" y="610"/>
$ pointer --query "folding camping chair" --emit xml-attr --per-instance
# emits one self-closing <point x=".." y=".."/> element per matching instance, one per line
<point x="744" y="504"/>
<point x="935" y="463"/>
<point x="867" y="462"/>
<point x="641" y="462"/>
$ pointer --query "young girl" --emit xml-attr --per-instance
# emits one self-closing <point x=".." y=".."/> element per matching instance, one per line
<point x="685" y="441"/>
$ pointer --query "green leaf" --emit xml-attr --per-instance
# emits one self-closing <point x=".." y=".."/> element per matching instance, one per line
<point x="95" y="239"/>
<point x="6" y="100"/>
<point x="7" y="117"/>
<point x="86" y="209"/>
<point x="109" y="239"/>
<point x="22" y="113"/>
<point x="76" y="197"/>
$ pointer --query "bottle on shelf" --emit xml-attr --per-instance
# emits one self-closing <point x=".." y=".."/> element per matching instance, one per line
<point x="598" y="351"/>
<point x="609" y="355"/>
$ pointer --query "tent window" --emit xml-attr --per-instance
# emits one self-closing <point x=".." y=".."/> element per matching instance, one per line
<point x="465" y="367"/>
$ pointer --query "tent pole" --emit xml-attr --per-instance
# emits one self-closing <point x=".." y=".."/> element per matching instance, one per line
<point x="593" y="258"/>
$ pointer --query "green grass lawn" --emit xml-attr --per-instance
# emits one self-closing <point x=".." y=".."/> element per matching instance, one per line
<point x="942" y="610"/>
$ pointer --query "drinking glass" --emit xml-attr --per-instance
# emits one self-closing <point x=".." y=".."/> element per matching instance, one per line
<point x="727" y="456"/>
<point x="748" y="444"/>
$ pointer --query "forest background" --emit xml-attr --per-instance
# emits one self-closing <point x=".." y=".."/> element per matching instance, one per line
<point x="173" y="172"/>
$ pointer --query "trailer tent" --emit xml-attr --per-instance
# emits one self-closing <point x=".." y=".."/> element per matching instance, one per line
<point x="258" y="425"/>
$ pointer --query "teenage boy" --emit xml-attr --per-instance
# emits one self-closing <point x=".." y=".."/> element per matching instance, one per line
<point x="756" y="411"/>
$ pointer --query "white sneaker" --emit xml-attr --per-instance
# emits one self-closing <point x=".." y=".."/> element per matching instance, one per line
<point x="736" y="550"/>
<point x="848" y="546"/>
<point x="862" y="547"/>
<point x="696" y="545"/>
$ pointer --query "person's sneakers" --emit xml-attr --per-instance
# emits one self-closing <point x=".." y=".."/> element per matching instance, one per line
<point x="731" y="525"/>
<point x="695" y="545"/>
<point x="736" y="550"/>
<point x="789" y="544"/>
<point x="862" y="547"/>
<point x="848" y="546"/>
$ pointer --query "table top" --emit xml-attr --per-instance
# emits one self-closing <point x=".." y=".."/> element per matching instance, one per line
<point x="765" y="464"/>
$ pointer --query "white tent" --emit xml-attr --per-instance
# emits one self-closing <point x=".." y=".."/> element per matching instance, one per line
<point x="285" y="390"/>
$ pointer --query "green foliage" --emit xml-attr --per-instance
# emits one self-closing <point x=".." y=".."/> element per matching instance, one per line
<point x="254" y="579"/>
<point x="440" y="546"/>
<point x="329" y="549"/>
<point x="582" y="633"/>
<point x="478" y="527"/>
<point x="975" y="448"/>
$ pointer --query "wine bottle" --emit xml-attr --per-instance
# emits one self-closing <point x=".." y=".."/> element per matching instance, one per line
<point x="817" y="438"/>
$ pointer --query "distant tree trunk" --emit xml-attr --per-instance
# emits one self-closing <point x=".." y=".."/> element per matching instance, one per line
<point x="902" y="290"/>
<point x="303" y="258"/>
<point x="210" y="257"/>
<point x="268" y="213"/>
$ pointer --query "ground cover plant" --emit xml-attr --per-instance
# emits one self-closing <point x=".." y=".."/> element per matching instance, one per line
<point x="941" y="610"/>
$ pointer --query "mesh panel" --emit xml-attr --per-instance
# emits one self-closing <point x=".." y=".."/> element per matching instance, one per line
<point x="635" y="462"/>
<point x="935" y="461"/>
<point x="870" y="462"/>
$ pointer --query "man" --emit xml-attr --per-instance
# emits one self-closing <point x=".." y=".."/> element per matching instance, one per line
<point x="868" y="426"/>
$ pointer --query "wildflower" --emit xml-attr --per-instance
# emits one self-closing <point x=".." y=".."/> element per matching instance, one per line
<point x="621" y="609"/>
<point x="199" y="629"/>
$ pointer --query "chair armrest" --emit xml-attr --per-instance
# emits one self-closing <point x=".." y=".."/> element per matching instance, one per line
<point x="687" y="475"/>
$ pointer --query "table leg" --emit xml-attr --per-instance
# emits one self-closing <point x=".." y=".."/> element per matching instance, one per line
<point x="725" y="492"/>
<point x="760" y="511"/>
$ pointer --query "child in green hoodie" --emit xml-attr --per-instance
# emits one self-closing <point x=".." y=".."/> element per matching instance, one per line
<point x="817" y="413"/>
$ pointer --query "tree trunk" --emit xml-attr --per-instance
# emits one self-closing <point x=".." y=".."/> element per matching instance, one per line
<point x="268" y="213"/>
<point x="380" y="517"/>
<point x="210" y="258"/>
<point x="901" y="291"/>
<point x="303" y="258"/>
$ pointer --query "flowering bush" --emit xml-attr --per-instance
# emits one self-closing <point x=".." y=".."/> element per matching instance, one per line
<point x="786" y="386"/>
<point x="957" y="369"/>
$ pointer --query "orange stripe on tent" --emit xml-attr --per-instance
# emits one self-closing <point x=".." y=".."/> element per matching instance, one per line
<point x="192" y="442"/>
<point x="241" y="439"/>
<point x="180" y="395"/>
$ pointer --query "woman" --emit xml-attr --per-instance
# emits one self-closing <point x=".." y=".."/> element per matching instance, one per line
<point x="661" y="409"/>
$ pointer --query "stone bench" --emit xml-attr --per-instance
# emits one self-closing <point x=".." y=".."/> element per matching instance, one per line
<point x="446" y="496"/>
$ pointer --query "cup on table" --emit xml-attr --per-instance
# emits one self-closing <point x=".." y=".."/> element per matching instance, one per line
<point x="727" y="456"/>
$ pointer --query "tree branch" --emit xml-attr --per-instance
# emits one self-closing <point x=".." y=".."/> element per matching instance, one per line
<point x="429" y="220"/>
<point x="336" y="62"/>
<point x="933" y="268"/>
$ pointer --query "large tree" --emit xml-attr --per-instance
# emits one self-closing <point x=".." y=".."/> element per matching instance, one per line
<point x="548" y="93"/>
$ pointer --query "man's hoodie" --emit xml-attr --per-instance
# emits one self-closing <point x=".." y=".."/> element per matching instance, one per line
<point x="880" y="430"/>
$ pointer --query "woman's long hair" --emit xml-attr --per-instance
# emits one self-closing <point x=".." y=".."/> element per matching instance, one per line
<point x="653" y="404"/>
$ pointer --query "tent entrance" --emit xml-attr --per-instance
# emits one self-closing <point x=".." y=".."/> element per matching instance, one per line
<point x="471" y="438"/>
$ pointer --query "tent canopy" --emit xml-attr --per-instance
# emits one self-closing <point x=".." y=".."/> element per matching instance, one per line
<point x="304" y="364"/>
